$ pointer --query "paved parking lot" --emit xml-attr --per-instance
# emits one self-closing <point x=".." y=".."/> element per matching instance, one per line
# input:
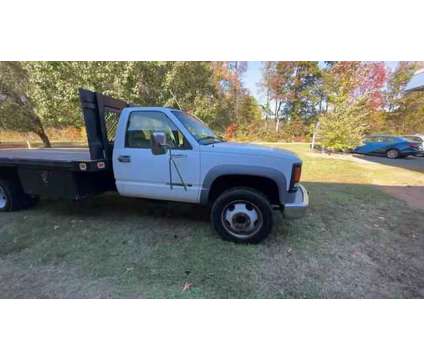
<point x="411" y="162"/>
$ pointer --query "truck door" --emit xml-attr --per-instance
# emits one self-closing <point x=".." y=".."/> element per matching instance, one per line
<point x="139" y="173"/>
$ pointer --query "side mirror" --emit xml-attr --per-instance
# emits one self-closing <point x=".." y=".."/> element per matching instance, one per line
<point x="158" y="143"/>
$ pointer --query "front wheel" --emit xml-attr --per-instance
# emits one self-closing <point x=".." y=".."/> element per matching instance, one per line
<point x="242" y="215"/>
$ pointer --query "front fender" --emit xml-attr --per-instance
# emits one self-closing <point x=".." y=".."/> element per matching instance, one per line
<point x="249" y="170"/>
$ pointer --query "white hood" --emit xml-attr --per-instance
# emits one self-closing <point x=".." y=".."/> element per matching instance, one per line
<point x="250" y="150"/>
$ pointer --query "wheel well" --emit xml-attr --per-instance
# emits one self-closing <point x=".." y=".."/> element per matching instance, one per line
<point x="265" y="185"/>
<point x="9" y="173"/>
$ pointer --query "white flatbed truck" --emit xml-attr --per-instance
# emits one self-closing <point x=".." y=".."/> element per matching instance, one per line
<point x="165" y="154"/>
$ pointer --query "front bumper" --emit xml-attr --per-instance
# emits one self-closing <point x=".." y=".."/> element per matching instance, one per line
<point x="298" y="207"/>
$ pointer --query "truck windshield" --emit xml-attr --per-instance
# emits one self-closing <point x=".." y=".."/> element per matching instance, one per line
<point x="197" y="128"/>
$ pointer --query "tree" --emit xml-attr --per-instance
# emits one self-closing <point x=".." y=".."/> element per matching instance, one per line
<point x="372" y="78"/>
<point x="292" y="86"/>
<point x="353" y="81"/>
<point x="18" y="110"/>
<point x="196" y="87"/>
<point x="354" y="100"/>
<point x="235" y="70"/>
<point x="231" y="92"/>
<point x="405" y="111"/>
<point x="187" y="82"/>
<point x="343" y="128"/>
<point x="250" y="110"/>
<point x="51" y="90"/>
<point x="211" y="90"/>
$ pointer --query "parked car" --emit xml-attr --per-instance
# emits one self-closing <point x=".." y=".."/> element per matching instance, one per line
<point x="418" y="139"/>
<point x="392" y="147"/>
<point x="164" y="154"/>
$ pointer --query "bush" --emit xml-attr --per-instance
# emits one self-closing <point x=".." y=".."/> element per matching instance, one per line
<point x="296" y="131"/>
<point x="262" y="131"/>
<point x="343" y="128"/>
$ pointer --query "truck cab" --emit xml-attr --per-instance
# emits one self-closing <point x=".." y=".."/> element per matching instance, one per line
<point x="194" y="165"/>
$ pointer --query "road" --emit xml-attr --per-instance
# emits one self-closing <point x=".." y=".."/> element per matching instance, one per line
<point x="410" y="163"/>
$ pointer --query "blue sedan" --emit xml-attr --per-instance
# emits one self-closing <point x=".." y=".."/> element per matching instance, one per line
<point x="390" y="146"/>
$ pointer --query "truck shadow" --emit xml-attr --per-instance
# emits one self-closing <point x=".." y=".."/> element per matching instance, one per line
<point x="111" y="207"/>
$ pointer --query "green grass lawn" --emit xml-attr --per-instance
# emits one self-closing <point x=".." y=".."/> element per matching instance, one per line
<point x="356" y="241"/>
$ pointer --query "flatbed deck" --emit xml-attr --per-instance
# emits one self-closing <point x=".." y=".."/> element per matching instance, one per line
<point x="54" y="157"/>
<point x="57" y="154"/>
<point x="68" y="172"/>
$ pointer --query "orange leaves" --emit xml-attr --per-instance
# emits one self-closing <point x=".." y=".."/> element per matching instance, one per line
<point x="230" y="131"/>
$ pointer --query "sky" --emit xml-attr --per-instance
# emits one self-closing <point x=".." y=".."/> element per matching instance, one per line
<point x="252" y="77"/>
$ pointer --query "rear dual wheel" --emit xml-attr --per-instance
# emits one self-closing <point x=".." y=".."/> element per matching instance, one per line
<point x="4" y="199"/>
<point x="13" y="198"/>
<point x="242" y="215"/>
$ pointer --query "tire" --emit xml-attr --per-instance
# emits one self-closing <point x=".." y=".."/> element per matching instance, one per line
<point x="242" y="215"/>
<point x="392" y="154"/>
<point x="12" y="197"/>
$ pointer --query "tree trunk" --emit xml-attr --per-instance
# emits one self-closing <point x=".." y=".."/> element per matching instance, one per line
<point x="39" y="130"/>
<point x="314" y="136"/>
<point x="277" y="117"/>
<point x="44" y="138"/>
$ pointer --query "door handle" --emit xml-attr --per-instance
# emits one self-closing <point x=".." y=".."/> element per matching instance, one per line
<point x="179" y="156"/>
<point x="124" y="158"/>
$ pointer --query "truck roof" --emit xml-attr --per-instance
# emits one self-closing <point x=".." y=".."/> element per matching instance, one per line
<point x="153" y="108"/>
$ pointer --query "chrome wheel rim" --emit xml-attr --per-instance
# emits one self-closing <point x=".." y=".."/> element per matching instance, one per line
<point x="392" y="154"/>
<point x="3" y="198"/>
<point x="242" y="219"/>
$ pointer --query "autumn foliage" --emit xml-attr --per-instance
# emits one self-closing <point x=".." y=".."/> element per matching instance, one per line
<point x="230" y="131"/>
<point x="347" y="98"/>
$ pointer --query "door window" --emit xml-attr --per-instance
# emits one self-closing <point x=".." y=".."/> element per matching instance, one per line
<point x="368" y="140"/>
<point x="142" y="124"/>
<point x="380" y="139"/>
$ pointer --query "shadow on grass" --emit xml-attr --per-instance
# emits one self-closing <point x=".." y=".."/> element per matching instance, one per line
<point x="354" y="242"/>
<point x="111" y="206"/>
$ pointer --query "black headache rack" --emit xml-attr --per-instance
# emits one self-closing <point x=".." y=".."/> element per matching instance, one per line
<point x="101" y="115"/>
